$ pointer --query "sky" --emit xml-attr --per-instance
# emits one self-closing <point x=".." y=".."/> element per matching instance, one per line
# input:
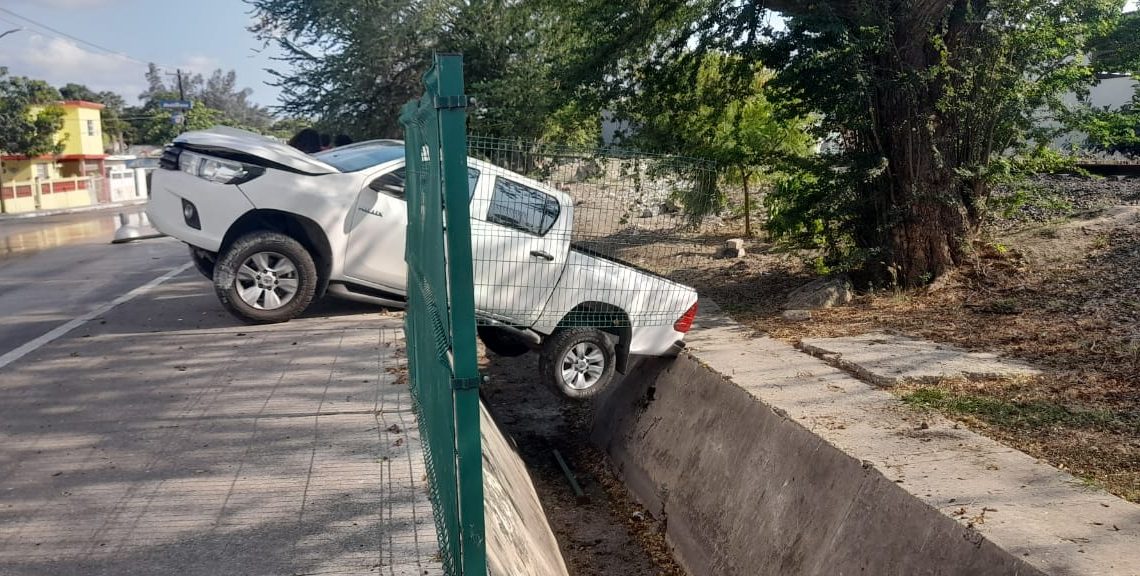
<point x="194" y="35"/>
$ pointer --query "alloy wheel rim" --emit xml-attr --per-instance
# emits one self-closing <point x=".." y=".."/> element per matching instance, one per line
<point x="267" y="280"/>
<point x="583" y="365"/>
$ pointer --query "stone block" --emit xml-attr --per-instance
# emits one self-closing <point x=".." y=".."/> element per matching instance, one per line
<point x="797" y="315"/>
<point x="821" y="293"/>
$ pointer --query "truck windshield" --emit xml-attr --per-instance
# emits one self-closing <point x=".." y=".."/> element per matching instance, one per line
<point x="360" y="156"/>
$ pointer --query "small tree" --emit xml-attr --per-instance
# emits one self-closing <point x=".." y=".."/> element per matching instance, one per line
<point x="716" y="107"/>
<point x="29" y="119"/>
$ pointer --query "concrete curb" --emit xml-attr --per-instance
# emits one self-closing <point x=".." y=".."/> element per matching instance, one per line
<point x="519" y="539"/>
<point x="765" y="460"/>
<point x="77" y="210"/>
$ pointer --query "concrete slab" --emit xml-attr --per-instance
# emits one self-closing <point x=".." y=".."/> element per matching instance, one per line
<point x="889" y="359"/>
<point x="767" y="461"/>
<point x="165" y="438"/>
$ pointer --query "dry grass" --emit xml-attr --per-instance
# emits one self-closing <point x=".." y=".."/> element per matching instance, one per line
<point x="1064" y="296"/>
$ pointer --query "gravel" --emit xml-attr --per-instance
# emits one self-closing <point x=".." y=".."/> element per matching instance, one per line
<point x="1055" y="196"/>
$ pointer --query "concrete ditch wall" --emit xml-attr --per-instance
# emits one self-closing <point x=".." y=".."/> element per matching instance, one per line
<point x="519" y="539"/>
<point x="746" y="491"/>
<point x="763" y="460"/>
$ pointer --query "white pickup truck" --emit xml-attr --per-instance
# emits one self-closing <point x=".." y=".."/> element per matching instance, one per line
<point x="275" y="228"/>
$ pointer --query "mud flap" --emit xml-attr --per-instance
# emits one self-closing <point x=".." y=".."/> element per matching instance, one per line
<point x="622" y="351"/>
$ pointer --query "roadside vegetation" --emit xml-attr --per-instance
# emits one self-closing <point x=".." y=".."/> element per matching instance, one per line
<point x="902" y="144"/>
<point x="1055" y="282"/>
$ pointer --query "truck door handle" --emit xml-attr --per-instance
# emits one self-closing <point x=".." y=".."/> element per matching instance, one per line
<point x="542" y="254"/>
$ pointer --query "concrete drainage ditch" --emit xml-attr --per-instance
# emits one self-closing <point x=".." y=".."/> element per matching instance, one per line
<point x="766" y="460"/>
<point x="754" y="459"/>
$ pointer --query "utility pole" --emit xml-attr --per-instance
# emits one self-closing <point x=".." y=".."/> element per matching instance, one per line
<point x="181" y="94"/>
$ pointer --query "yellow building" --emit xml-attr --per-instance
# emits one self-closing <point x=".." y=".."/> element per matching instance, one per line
<point x="71" y="179"/>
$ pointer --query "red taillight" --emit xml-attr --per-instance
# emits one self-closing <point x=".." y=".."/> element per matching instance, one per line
<point x="684" y="323"/>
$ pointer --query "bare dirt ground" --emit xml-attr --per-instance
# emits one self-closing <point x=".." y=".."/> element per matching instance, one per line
<point x="607" y="535"/>
<point x="1055" y="282"/>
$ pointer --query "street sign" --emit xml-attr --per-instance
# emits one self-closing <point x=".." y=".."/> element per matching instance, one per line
<point x="175" y="104"/>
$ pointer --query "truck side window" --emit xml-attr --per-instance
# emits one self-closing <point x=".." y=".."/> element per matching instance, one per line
<point x="523" y="208"/>
<point x="391" y="184"/>
<point x="394" y="182"/>
<point x="472" y="182"/>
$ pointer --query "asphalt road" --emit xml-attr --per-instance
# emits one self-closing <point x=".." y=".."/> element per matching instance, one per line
<point x="143" y="430"/>
<point x="57" y="268"/>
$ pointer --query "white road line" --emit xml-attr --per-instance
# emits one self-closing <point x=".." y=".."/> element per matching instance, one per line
<point x="33" y="345"/>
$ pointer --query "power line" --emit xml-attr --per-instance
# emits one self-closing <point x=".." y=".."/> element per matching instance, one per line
<point x="61" y="34"/>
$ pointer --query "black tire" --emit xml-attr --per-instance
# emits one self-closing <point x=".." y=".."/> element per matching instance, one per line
<point x="555" y="359"/>
<point x="203" y="261"/>
<point x="275" y="248"/>
<point x="502" y="342"/>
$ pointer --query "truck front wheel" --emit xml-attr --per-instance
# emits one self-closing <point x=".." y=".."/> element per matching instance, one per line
<point x="265" y="277"/>
<point x="578" y="362"/>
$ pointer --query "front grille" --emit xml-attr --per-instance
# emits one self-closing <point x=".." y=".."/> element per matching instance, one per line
<point x="169" y="160"/>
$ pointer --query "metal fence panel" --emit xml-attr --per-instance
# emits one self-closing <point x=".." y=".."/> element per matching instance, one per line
<point x="440" y="323"/>
<point x="579" y="204"/>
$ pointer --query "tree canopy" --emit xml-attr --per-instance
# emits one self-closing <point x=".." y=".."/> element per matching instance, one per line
<point x="924" y="105"/>
<point x="1116" y="52"/>
<point x="353" y="64"/>
<point x="29" y="117"/>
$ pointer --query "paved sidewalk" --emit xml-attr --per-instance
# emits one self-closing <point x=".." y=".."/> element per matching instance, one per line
<point x="209" y="448"/>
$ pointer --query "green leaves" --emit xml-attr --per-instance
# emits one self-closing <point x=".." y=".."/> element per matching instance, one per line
<point x="29" y="118"/>
<point x="716" y="107"/>
<point x="1114" y="131"/>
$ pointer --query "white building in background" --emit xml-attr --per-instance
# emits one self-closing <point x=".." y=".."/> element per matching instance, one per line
<point x="125" y="181"/>
<point x="1114" y="91"/>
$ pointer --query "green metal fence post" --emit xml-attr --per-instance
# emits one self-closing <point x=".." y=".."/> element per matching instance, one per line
<point x="440" y="322"/>
<point x="451" y="103"/>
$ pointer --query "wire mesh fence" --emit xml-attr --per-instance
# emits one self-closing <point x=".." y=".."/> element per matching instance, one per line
<point x="565" y="236"/>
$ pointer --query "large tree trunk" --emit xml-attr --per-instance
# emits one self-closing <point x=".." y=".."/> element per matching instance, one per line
<point x="928" y="242"/>
<point x="921" y="200"/>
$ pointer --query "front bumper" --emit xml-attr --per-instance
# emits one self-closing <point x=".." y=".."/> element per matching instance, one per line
<point x="218" y="206"/>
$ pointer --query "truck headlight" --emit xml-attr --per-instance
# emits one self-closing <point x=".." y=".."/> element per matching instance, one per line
<point x="217" y="170"/>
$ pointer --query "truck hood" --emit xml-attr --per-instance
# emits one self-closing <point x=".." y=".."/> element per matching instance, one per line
<point x="248" y="143"/>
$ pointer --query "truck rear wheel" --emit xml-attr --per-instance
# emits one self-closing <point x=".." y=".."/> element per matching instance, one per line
<point x="578" y="362"/>
<point x="265" y="277"/>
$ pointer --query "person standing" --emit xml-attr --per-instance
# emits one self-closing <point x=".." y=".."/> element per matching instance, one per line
<point x="307" y="141"/>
